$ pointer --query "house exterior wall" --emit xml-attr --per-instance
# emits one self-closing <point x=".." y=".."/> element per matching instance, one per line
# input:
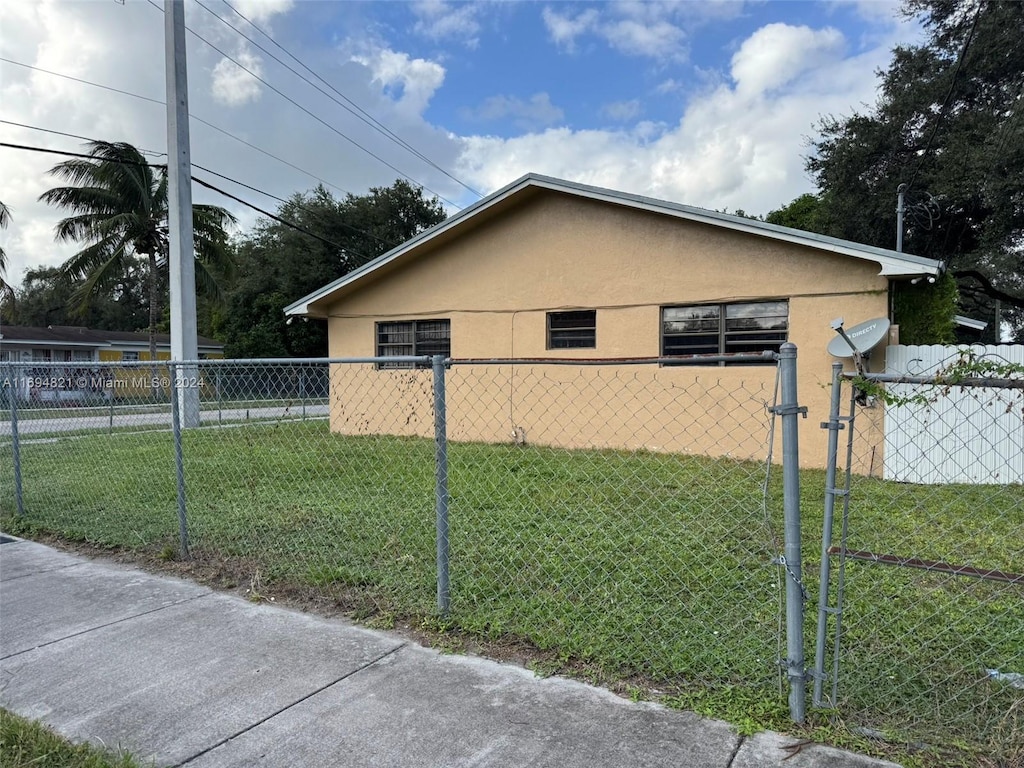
<point x="497" y="281"/>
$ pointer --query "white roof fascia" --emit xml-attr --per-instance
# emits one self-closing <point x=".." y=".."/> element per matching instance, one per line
<point x="892" y="263"/>
<point x="50" y="343"/>
<point x="970" y="322"/>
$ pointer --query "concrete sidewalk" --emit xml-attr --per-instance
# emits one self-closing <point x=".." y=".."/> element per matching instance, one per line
<point x="182" y="675"/>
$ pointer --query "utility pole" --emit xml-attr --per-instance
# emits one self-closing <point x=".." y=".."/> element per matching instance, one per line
<point x="900" y="208"/>
<point x="184" y="340"/>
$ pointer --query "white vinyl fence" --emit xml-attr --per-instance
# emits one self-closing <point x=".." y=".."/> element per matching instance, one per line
<point x="962" y="435"/>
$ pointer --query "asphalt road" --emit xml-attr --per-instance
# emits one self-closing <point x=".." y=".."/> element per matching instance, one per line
<point x="126" y="417"/>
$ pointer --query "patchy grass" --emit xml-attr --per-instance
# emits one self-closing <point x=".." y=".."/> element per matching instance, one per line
<point x="655" y="569"/>
<point x="29" y="744"/>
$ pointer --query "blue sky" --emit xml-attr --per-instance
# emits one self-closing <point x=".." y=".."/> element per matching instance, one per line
<point x="705" y="103"/>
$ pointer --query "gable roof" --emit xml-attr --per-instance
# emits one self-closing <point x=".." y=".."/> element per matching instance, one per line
<point x="891" y="263"/>
<point x="79" y="336"/>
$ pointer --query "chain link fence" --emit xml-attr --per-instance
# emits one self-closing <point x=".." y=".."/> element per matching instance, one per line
<point x="626" y="519"/>
<point x="618" y="515"/>
<point x="921" y="632"/>
<point x="614" y="515"/>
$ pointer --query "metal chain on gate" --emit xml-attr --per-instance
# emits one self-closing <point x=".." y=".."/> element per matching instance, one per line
<point x="781" y="560"/>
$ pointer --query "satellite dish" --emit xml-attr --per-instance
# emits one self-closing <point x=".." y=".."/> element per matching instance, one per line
<point x="864" y="336"/>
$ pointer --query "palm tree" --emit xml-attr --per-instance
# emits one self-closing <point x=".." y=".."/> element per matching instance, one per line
<point x="119" y="207"/>
<point x="6" y="292"/>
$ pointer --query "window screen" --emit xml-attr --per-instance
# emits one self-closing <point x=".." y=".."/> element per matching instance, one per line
<point x="715" y="329"/>
<point x="572" y="330"/>
<point x="413" y="338"/>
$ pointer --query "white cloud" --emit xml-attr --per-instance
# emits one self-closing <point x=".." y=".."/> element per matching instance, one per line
<point x="729" y="146"/>
<point x="872" y="10"/>
<point x="232" y="85"/>
<point x="777" y="53"/>
<point x="122" y="46"/>
<point x="622" y="111"/>
<point x="642" y="29"/>
<point x="669" y="86"/>
<point x="537" y="111"/>
<point x="565" y="29"/>
<point x="658" y="39"/>
<point x="439" y="20"/>
<point x="409" y="82"/>
<point x="72" y="40"/>
<point x="732" y="147"/>
<point x="262" y="10"/>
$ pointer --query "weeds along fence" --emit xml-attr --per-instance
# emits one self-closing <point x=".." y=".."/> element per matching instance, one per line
<point x="921" y="626"/>
<point x="615" y="515"/>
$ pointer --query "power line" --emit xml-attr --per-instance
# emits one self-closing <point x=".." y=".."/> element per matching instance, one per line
<point x="202" y="183"/>
<point x="340" y="98"/>
<point x="192" y="116"/>
<point x="213" y="173"/>
<point x="949" y="94"/>
<point x="319" y="119"/>
<point x="270" y="155"/>
<point x="276" y="218"/>
<point x="84" y="82"/>
<point x="75" y="136"/>
<point x="357" y="230"/>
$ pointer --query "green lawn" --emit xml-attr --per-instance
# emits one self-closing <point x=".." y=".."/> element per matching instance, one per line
<point x="28" y="744"/>
<point x="625" y="565"/>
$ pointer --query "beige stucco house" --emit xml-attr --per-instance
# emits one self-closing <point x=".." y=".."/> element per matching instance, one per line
<point x="545" y="268"/>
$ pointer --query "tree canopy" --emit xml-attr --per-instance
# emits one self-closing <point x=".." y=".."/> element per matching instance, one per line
<point x="45" y="298"/>
<point x="278" y="264"/>
<point x="118" y="207"/>
<point x="947" y="125"/>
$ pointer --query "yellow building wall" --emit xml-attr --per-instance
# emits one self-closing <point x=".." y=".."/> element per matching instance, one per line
<point x="135" y="382"/>
<point x="497" y="281"/>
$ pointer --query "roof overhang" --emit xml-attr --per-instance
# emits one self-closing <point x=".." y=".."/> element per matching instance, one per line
<point x="50" y="343"/>
<point x="144" y="345"/>
<point x="892" y="264"/>
<point x="970" y="322"/>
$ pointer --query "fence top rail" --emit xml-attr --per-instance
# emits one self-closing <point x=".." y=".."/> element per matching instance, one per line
<point x="422" y="360"/>
<point x="219" y="362"/>
<point x="941" y="381"/>
<point x="762" y="357"/>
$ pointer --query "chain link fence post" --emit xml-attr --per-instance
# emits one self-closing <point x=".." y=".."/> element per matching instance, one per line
<point x="12" y="394"/>
<point x="179" y="461"/>
<point x="790" y="410"/>
<point x="833" y="425"/>
<point x="441" y="485"/>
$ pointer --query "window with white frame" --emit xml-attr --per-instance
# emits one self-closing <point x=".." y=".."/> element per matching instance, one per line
<point x="717" y="329"/>
<point x="130" y="357"/>
<point x="413" y="338"/>
<point x="575" y="329"/>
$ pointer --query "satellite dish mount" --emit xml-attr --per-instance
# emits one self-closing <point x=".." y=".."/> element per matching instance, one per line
<point x="858" y="341"/>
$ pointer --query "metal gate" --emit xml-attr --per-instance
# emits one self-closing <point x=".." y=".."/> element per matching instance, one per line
<point x="921" y="602"/>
